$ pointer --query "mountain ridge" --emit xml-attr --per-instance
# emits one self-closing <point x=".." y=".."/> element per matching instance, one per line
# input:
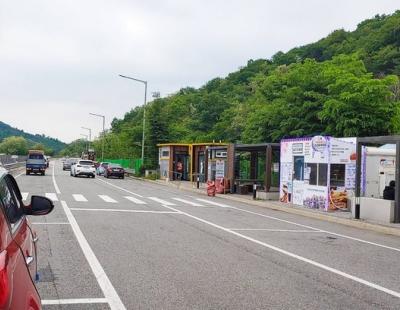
<point x="49" y="142"/>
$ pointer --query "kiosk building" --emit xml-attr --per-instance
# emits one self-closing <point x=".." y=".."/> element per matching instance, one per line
<point x="317" y="172"/>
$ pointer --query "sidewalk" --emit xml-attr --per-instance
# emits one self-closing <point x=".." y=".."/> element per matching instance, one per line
<point x="344" y="218"/>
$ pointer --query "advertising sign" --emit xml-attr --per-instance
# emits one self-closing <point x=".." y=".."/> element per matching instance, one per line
<point x="319" y="144"/>
<point x="315" y="197"/>
<point x="338" y="199"/>
<point x="298" y="192"/>
<point x="286" y="182"/>
<point x="342" y="152"/>
<point x="219" y="168"/>
<point x="286" y="151"/>
<point x="297" y="148"/>
<point x="350" y="178"/>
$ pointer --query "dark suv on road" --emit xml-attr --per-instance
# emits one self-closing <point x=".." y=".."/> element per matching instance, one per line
<point x="18" y="258"/>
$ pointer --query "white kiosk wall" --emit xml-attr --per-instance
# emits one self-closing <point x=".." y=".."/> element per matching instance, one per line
<point x="317" y="172"/>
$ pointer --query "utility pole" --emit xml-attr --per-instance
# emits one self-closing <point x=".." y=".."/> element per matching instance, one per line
<point x="144" y="109"/>
<point x="104" y="134"/>
<point x="90" y="135"/>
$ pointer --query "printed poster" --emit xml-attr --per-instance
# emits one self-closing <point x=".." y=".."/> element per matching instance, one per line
<point x="219" y="169"/>
<point x="316" y="197"/>
<point x="350" y="176"/>
<point x="298" y="192"/>
<point x="285" y="194"/>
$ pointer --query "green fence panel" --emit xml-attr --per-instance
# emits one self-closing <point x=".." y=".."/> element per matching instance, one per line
<point x="126" y="163"/>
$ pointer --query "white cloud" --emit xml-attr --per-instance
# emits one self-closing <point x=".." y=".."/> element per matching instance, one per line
<point x="58" y="57"/>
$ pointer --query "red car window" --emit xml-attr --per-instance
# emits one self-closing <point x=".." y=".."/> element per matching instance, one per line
<point x="12" y="206"/>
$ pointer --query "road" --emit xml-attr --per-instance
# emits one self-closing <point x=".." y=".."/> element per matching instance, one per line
<point x="128" y="244"/>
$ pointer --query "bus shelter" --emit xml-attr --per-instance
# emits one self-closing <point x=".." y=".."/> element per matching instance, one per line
<point x="184" y="161"/>
<point x="364" y="203"/>
<point x="251" y="165"/>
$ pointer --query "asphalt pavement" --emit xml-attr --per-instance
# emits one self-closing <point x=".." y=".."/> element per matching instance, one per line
<point x="129" y="244"/>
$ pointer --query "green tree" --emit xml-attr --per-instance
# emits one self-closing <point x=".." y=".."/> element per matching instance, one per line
<point x="14" y="146"/>
<point x="74" y="149"/>
<point x="358" y="104"/>
<point x="340" y="85"/>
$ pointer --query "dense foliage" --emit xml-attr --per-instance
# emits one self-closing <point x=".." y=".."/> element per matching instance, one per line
<point x="51" y="144"/>
<point x="75" y="148"/>
<point x="14" y="146"/>
<point x="17" y="145"/>
<point x="343" y="85"/>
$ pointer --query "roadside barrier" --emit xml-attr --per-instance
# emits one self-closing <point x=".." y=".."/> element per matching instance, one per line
<point x="211" y="188"/>
<point x="14" y="167"/>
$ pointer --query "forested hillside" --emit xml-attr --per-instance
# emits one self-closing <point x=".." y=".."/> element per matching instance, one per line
<point x="346" y="84"/>
<point x="49" y="143"/>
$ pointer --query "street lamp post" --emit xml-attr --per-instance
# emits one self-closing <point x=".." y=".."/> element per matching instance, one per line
<point x="144" y="108"/>
<point x="90" y="135"/>
<point x="104" y="134"/>
<point x="86" y="138"/>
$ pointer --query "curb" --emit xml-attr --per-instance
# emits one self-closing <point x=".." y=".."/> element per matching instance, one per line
<point x="361" y="224"/>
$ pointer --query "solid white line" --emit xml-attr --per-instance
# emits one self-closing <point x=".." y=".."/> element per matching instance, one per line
<point x="24" y="195"/>
<point x="105" y="284"/>
<point x="79" y="197"/>
<point x="52" y="196"/>
<point x="50" y="223"/>
<point x="313" y="228"/>
<point x="163" y="202"/>
<point x="120" y="188"/>
<point x="275" y="230"/>
<point x="54" y="180"/>
<point x="74" y="301"/>
<point x="135" y="200"/>
<point x="18" y="175"/>
<point x="188" y="202"/>
<point x="107" y="198"/>
<point x="298" y="257"/>
<point x="124" y="210"/>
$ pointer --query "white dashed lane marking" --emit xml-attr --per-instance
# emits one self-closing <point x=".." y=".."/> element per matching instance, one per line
<point x="195" y="204"/>
<point x="107" y="198"/>
<point x="135" y="200"/>
<point x="52" y="196"/>
<point x="213" y="203"/>
<point x="79" y="197"/>
<point x="163" y="202"/>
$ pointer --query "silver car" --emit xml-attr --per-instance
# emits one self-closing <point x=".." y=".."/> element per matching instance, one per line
<point x="68" y="163"/>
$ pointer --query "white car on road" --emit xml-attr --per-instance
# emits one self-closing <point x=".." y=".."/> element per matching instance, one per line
<point x="83" y="167"/>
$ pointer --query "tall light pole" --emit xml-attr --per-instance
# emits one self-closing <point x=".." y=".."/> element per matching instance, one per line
<point x="90" y="135"/>
<point x="104" y="134"/>
<point x="144" y="108"/>
<point x="86" y="137"/>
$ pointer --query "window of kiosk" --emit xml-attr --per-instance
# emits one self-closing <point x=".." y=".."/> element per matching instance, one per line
<point x="318" y="174"/>
<point x="313" y="168"/>
<point x="337" y="178"/>
<point x="322" y="174"/>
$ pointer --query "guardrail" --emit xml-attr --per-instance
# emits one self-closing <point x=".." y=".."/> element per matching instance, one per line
<point x="14" y="167"/>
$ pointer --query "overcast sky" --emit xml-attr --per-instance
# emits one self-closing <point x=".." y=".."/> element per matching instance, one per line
<point x="60" y="60"/>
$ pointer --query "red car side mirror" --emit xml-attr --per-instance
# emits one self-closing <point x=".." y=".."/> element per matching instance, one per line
<point x="39" y="206"/>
